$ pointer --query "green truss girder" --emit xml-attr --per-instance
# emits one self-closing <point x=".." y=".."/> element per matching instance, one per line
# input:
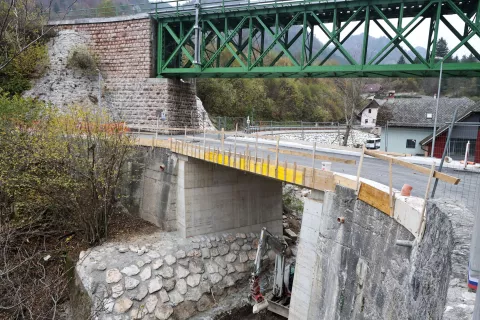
<point x="256" y="41"/>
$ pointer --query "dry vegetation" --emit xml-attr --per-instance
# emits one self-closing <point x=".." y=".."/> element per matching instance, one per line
<point x="59" y="180"/>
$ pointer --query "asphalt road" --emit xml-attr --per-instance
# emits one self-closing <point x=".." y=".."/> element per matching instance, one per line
<point x="373" y="169"/>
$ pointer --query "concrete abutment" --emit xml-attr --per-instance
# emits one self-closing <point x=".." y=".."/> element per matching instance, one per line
<point x="194" y="197"/>
<point x="355" y="270"/>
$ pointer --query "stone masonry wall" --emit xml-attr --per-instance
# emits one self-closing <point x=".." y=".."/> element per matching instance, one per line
<point x="125" y="59"/>
<point x="124" y="48"/>
<point x="163" y="277"/>
<point x="355" y="270"/>
<point x="137" y="102"/>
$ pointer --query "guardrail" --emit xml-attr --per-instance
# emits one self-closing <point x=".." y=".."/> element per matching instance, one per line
<point x="102" y="12"/>
<point x="176" y="8"/>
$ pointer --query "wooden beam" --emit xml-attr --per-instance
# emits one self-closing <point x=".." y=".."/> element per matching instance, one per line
<point x="376" y="198"/>
<point x="426" y="171"/>
<point x="317" y="156"/>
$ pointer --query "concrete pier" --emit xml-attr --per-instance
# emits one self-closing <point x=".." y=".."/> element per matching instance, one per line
<point x="212" y="198"/>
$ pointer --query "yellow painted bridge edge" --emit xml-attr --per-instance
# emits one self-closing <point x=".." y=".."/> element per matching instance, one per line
<point x="260" y="167"/>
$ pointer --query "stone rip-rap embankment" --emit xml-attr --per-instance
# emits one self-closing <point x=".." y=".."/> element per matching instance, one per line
<point x="162" y="276"/>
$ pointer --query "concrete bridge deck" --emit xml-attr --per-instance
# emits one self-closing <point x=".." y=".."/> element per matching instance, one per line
<point x="408" y="211"/>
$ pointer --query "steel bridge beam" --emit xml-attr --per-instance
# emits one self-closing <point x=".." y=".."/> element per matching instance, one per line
<point x="252" y="40"/>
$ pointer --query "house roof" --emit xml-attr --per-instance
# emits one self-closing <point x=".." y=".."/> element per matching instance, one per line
<point x="372" y="104"/>
<point x="460" y="117"/>
<point x="372" y="87"/>
<point x="412" y="112"/>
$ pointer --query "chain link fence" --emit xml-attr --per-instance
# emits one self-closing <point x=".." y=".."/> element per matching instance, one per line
<point x="459" y="145"/>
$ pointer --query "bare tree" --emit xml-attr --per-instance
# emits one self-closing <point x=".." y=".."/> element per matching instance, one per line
<point x="351" y="90"/>
<point x="23" y="23"/>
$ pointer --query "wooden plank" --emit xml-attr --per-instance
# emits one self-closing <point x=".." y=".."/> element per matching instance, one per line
<point x="374" y="197"/>
<point x="395" y="154"/>
<point x="390" y="186"/>
<point x="424" y="209"/>
<point x="359" y="170"/>
<point x="317" y="156"/>
<point x="324" y="180"/>
<point x="278" y="308"/>
<point x="426" y="171"/>
<point x="345" y="182"/>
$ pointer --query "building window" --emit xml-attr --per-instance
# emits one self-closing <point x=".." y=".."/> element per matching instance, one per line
<point x="429" y="115"/>
<point x="369" y="110"/>
<point x="411" y="143"/>
<point x="366" y="120"/>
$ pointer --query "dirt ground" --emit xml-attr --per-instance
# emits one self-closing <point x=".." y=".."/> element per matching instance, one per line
<point x="245" y="313"/>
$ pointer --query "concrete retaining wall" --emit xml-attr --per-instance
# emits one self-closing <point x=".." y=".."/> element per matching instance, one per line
<point x="355" y="270"/>
<point x="176" y="192"/>
<point x="150" y="188"/>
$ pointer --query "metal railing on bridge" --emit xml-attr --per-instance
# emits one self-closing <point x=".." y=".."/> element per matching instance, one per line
<point x="102" y="12"/>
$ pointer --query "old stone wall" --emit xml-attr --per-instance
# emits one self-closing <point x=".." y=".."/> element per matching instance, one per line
<point x="162" y="276"/>
<point x="127" y="90"/>
<point x="138" y="102"/>
<point x="124" y="47"/>
<point x="355" y="269"/>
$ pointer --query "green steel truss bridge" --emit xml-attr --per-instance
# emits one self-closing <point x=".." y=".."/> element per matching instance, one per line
<point x="277" y="38"/>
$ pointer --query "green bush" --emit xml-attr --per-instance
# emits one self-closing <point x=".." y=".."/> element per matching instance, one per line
<point x="14" y="85"/>
<point x="30" y="64"/>
<point x="291" y="203"/>
<point x="82" y="58"/>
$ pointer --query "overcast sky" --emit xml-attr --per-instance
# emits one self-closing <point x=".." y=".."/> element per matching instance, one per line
<point x="418" y="37"/>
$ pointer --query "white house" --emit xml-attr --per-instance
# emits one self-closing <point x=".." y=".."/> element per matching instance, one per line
<point x="368" y="115"/>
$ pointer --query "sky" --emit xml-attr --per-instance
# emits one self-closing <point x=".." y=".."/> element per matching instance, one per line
<point x="418" y="37"/>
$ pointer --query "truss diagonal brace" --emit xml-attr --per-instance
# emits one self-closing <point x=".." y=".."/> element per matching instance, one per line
<point x="395" y="44"/>
<point x="179" y="46"/>
<point x="400" y="30"/>
<point x="334" y="33"/>
<point x="335" y="40"/>
<point x="399" y="34"/>
<point x="277" y="41"/>
<point x="225" y="43"/>
<point x="460" y="37"/>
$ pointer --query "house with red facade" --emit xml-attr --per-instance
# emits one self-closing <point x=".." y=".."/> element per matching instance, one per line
<point x="466" y="132"/>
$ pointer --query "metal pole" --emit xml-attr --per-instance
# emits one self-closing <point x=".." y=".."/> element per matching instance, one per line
<point x="447" y="143"/>
<point x="156" y="130"/>
<point x="196" y="59"/>
<point x="386" y="138"/>
<point x="436" y="109"/>
<point x="99" y="89"/>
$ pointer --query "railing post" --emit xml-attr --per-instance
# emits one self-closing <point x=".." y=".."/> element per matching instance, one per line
<point x="360" y="170"/>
